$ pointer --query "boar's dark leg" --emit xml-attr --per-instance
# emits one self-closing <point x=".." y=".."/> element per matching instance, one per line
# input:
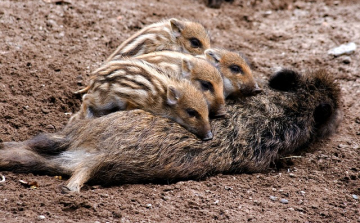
<point x="18" y="157"/>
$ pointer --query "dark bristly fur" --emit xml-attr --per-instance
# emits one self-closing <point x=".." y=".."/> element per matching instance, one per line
<point x="135" y="146"/>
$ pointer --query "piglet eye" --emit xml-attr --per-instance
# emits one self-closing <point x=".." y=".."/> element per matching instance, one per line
<point x="192" y="113"/>
<point x="195" y="43"/>
<point x="206" y="85"/>
<point x="235" y="69"/>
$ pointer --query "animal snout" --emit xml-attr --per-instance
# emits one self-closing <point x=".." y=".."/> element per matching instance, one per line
<point x="257" y="90"/>
<point x="208" y="136"/>
<point x="220" y="112"/>
<point x="251" y="90"/>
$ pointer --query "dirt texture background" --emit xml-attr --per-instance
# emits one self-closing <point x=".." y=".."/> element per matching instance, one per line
<point x="48" y="51"/>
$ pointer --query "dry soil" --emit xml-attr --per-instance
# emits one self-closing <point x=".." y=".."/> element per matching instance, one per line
<point x="48" y="50"/>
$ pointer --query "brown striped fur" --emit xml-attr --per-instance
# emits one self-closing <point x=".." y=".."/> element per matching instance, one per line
<point x="237" y="75"/>
<point x="173" y="34"/>
<point x="204" y="76"/>
<point x="132" y="83"/>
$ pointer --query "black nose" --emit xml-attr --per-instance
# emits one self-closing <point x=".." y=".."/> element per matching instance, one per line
<point x="221" y="112"/>
<point x="208" y="136"/>
<point x="257" y="91"/>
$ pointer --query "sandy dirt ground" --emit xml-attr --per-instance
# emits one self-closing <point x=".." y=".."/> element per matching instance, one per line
<point x="48" y="51"/>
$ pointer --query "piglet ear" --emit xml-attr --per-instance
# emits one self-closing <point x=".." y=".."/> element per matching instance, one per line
<point x="186" y="66"/>
<point x="177" y="27"/>
<point x="173" y="95"/>
<point x="285" y="80"/>
<point x="212" y="55"/>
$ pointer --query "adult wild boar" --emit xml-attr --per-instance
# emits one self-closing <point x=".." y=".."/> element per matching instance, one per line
<point x="135" y="146"/>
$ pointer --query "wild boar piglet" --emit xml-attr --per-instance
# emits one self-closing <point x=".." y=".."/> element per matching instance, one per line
<point x="133" y="83"/>
<point x="173" y="34"/>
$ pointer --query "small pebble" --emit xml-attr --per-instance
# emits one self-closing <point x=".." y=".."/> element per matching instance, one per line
<point x="45" y="110"/>
<point x="165" y="198"/>
<point x="41" y="217"/>
<point x="273" y="198"/>
<point x="357" y="120"/>
<point x="2" y="179"/>
<point x="346" y="60"/>
<point x="269" y="12"/>
<point x="52" y="127"/>
<point x="148" y="206"/>
<point x="228" y="188"/>
<point x="302" y="193"/>
<point x="61" y="34"/>
<point x="355" y="197"/>
<point x="292" y="175"/>
<point x="79" y="79"/>
<point x="284" y="201"/>
<point x="343" y="49"/>
<point x="257" y="202"/>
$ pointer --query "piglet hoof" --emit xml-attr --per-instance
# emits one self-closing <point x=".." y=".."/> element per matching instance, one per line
<point x="66" y="190"/>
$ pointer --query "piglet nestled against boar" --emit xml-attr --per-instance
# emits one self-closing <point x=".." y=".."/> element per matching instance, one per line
<point x="237" y="75"/>
<point x="173" y="34"/>
<point x="201" y="73"/>
<point x="136" y="146"/>
<point x="133" y="83"/>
